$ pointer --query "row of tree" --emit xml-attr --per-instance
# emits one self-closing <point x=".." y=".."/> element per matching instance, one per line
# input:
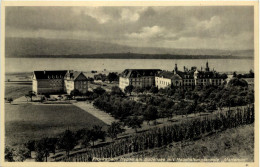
<point x="65" y="141"/>
<point x="157" y="137"/>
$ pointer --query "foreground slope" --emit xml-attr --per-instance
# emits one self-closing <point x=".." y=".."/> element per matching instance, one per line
<point x="235" y="144"/>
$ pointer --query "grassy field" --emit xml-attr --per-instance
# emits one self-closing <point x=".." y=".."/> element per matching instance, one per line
<point x="28" y="121"/>
<point x="230" y="145"/>
<point x="16" y="90"/>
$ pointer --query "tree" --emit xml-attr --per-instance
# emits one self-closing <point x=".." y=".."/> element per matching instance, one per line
<point x="21" y="153"/>
<point x="150" y="114"/>
<point x="250" y="98"/>
<point x="134" y="122"/>
<point x="96" y="133"/>
<point x="129" y="89"/>
<point x="9" y="154"/>
<point x="30" y="94"/>
<point x="67" y="141"/>
<point x="237" y="82"/>
<point x="10" y="100"/>
<point x="162" y="113"/>
<point x="224" y="76"/>
<point x="199" y="109"/>
<point x="86" y="140"/>
<point x="190" y="108"/>
<point x="75" y="92"/>
<point x="30" y="145"/>
<point x="168" y="113"/>
<point x="52" y="144"/>
<point x="211" y="106"/>
<point x="234" y="74"/>
<point x="90" y="79"/>
<point x="251" y="73"/>
<point x="112" y="77"/>
<point x="115" y="129"/>
<point x="138" y="90"/>
<point x="117" y="91"/>
<point x="154" y="90"/>
<point x="44" y="147"/>
<point x="99" y="91"/>
<point x="41" y="150"/>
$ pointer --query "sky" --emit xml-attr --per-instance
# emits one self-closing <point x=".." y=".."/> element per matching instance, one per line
<point x="216" y="27"/>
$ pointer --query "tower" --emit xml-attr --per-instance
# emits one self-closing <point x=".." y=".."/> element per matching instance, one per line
<point x="175" y="68"/>
<point x="207" y="66"/>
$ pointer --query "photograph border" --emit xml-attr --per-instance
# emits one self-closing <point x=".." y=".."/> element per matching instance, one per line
<point x="134" y="3"/>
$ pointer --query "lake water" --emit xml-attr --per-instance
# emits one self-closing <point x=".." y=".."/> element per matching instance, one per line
<point x="31" y="64"/>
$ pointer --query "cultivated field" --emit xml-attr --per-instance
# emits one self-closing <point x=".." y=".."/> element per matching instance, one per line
<point x="229" y="145"/>
<point x="34" y="121"/>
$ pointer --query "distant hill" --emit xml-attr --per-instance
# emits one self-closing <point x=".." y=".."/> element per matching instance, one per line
<point x="68" y="48"/>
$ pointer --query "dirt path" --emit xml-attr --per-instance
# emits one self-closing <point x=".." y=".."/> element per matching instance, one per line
<point x="88" y="107"/>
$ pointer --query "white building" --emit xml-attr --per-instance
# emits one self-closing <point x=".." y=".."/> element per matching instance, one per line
<point x="138" y="78"/>
<point x="58" y="82"/>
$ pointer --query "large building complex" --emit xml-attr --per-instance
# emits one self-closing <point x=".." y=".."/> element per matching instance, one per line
<point x="57" y="82"/>
<point x="138" y="78"/>
<point x="188" y="77"/>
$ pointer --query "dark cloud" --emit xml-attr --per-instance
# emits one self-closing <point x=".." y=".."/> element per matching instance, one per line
<point x="57" y="18"/>
<point x="156" y="26"/>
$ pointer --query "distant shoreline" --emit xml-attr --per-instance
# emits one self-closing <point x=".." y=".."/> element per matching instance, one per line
<point x="134" y="56"/>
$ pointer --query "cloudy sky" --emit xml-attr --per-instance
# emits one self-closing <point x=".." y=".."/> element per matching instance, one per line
<point x="169" y="27"/>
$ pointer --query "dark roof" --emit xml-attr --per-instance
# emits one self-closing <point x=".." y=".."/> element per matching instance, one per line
<point x="50" y="74"/>
<point x="170" y="75"/>
<point x="73" y="74"/>
<point x="186" y="74"/>
<point x="135" y="73"/>
<point x="209" y="74"/>
<point x="166" y="74"/>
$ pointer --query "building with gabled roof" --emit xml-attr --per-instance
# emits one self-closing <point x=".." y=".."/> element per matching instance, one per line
<point x="58" y="82"/>
<point x="75" y="80"/>
<point x="167" y="79"/>
<point x="138" y="78"/>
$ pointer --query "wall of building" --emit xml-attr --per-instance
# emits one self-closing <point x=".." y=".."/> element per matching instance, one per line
<point x="141" y="82"/>
<point x="82" y="86"/>
<point x="50" y="86"/>
<point x="161" y="82"/>
<point x="177" y="82"/>
<point x="148" y="81"/>
<point x="68" y="86"/>
<point x="188" y="82"/>
<point x="216" y="82"/>
<point x="35" y="87"/>
<point x="123" y="82"/>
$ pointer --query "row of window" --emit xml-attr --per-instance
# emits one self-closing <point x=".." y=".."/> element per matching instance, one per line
<point x="141" y="79"/>
<point x="163" y="82"/>
<point x="80" y="87"/>
<point x="188" y="80"/>
<point x="124" y="82"/>
<point x="82" y="82"/>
